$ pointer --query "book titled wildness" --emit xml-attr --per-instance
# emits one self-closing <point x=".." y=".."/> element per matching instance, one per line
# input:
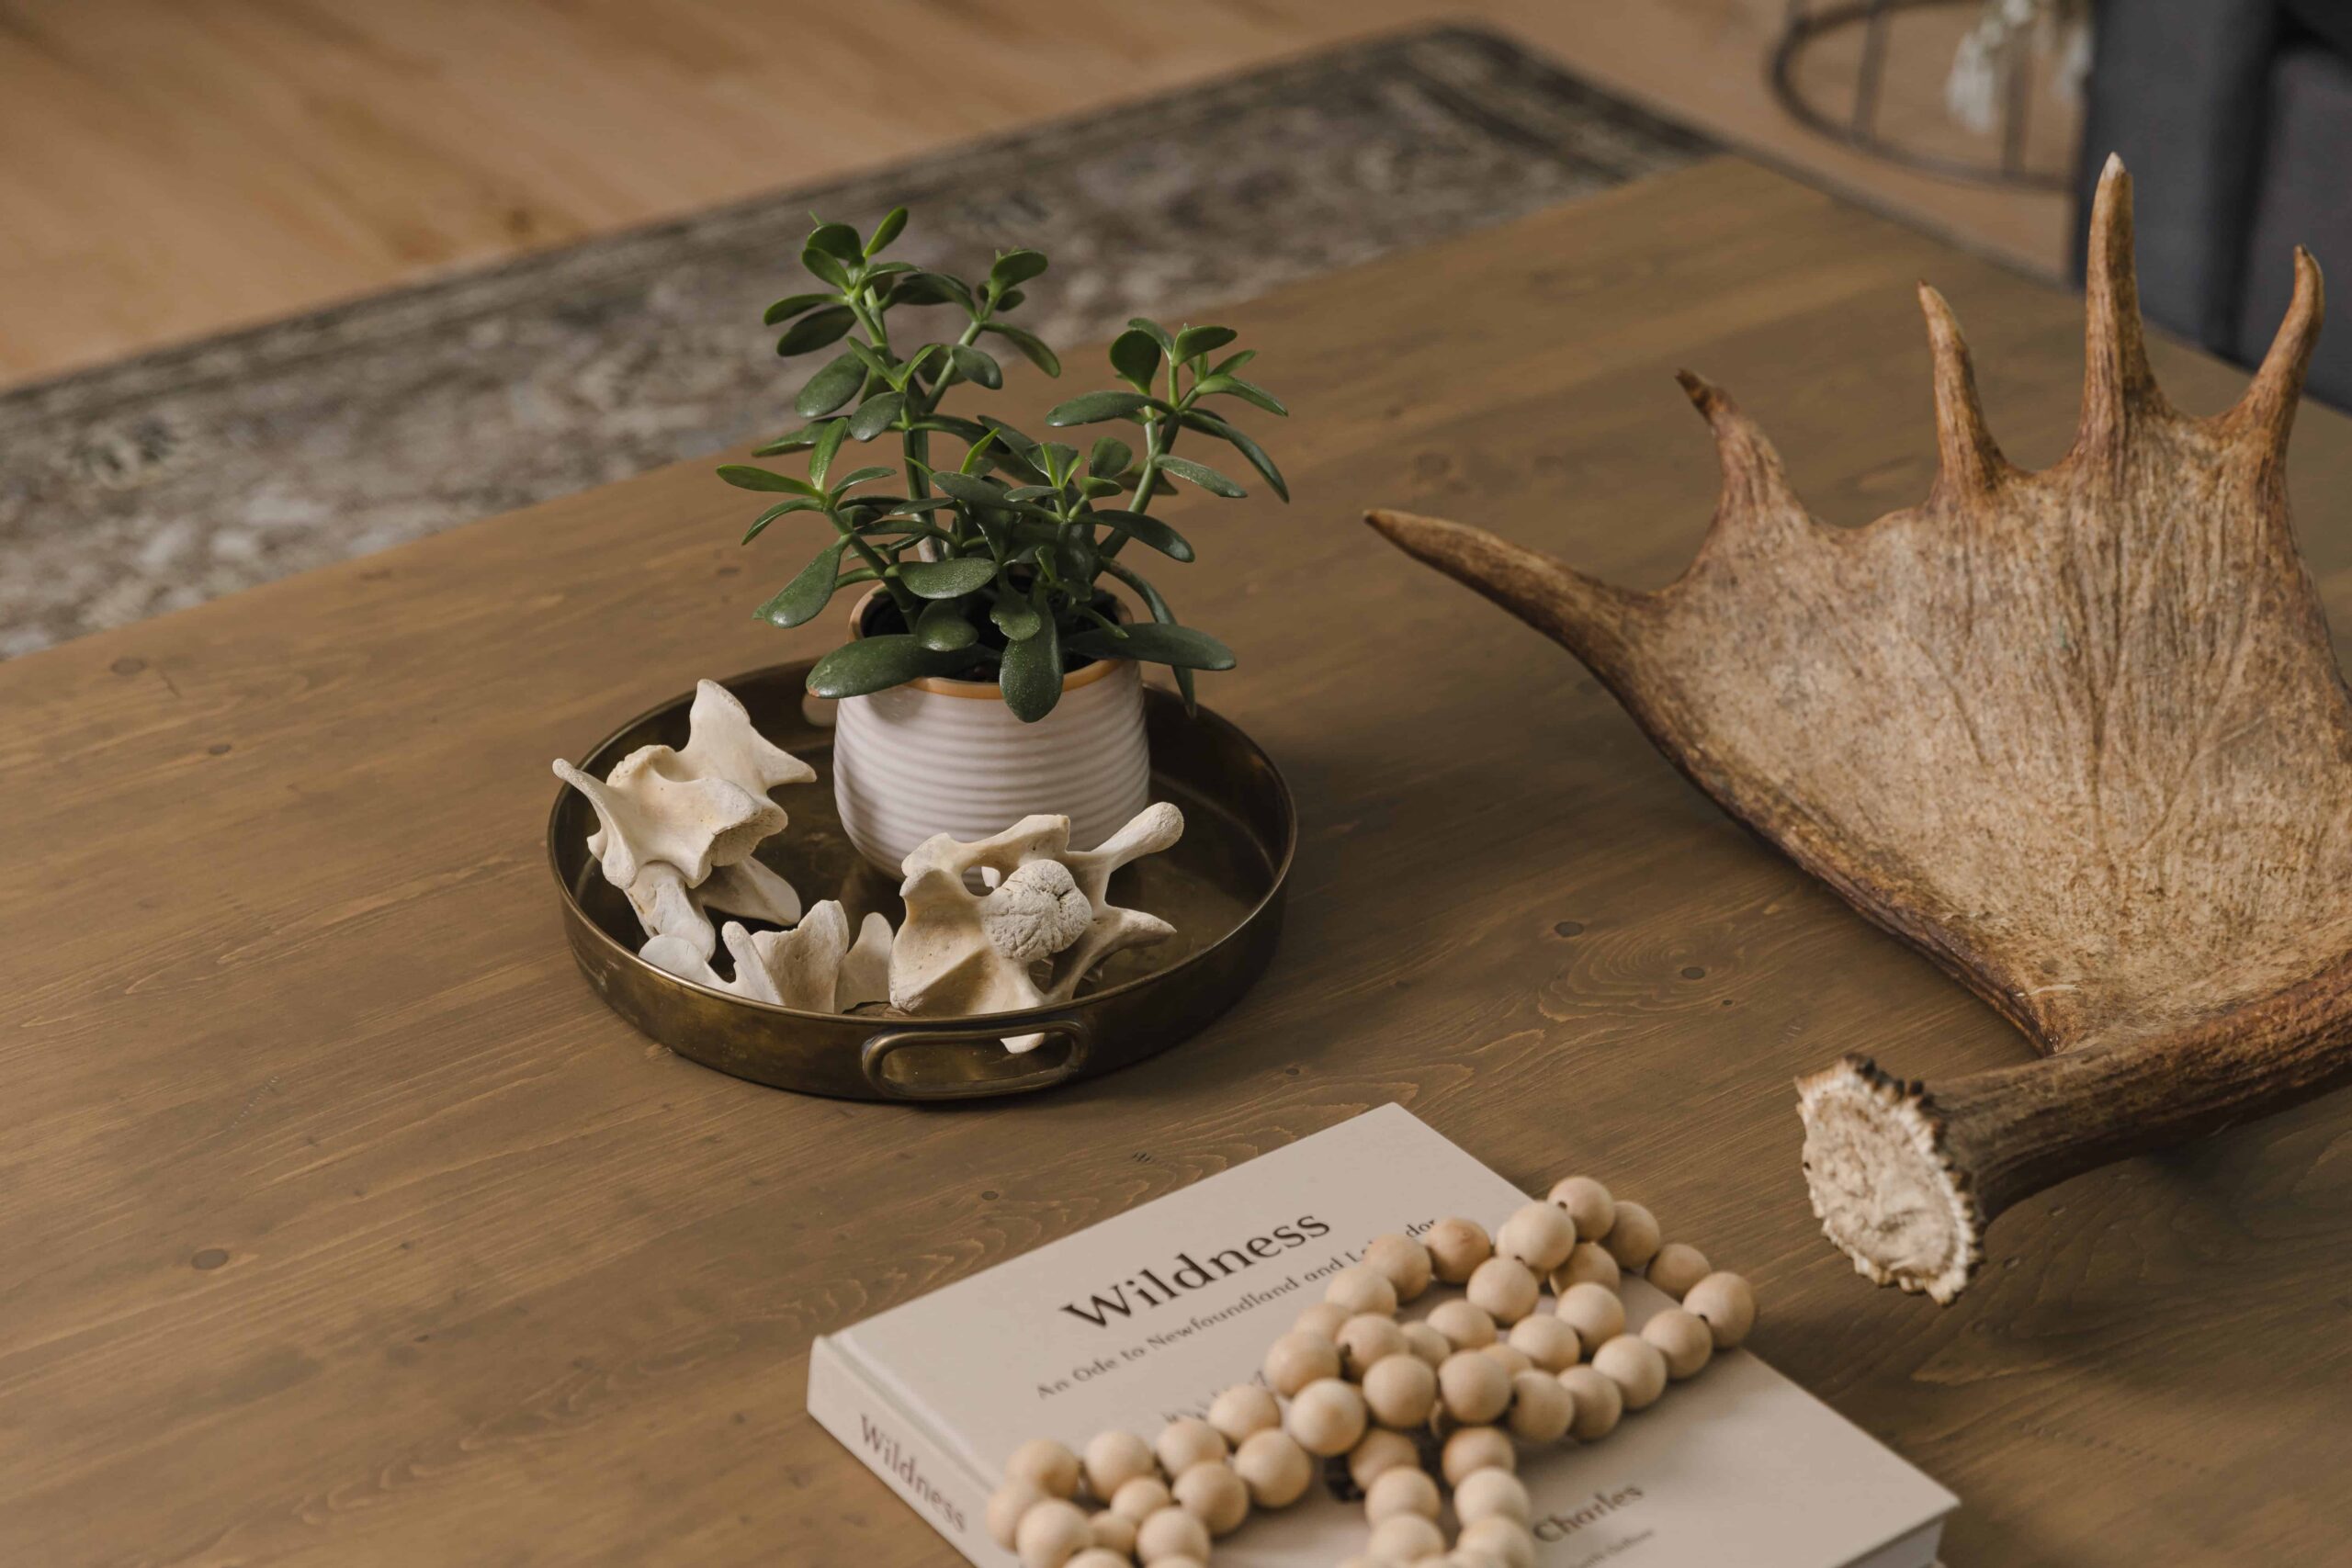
<point x="1149" y="1316"/>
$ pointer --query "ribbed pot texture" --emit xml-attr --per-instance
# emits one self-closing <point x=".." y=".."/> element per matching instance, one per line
<point x="939" y="756"/>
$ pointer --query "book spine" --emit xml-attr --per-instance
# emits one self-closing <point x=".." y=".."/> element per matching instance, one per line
<point x="901" y="1450"/>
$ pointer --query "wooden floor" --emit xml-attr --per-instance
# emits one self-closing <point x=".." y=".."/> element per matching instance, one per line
<point x="172" y="170"/>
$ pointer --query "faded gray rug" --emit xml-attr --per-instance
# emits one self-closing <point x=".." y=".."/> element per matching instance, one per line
<point x="178" y="476"/>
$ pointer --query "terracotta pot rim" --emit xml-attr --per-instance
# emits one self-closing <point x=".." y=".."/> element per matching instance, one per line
<point x="978" y="691"/>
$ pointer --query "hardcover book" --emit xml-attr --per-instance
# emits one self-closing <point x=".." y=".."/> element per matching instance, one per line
<point x="1149" y="1316"/>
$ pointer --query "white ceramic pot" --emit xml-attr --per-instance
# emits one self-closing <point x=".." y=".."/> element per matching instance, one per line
<point x="937" y="756"/>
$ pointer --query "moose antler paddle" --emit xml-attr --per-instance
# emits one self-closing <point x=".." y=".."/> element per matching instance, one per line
<point x="2076" y="735"/>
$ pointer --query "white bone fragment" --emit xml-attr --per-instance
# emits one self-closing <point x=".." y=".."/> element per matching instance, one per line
<point x="961" y="952"/>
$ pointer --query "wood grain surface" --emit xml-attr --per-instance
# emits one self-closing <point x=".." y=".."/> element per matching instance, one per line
<point x="342" y="1225"/>
<point x="184" y="169"/>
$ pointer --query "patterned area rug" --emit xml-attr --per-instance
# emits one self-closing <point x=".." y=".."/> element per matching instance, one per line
<point x="178" y="476"/>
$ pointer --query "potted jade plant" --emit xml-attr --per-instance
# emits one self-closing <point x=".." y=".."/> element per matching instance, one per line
<point x="991" y="670"/>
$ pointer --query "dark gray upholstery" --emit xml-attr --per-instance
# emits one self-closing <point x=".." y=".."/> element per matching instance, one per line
<point x="2302" y="197"/>
<point x="2236" y="119"/>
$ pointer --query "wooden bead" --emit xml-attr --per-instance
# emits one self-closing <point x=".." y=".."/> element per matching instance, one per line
<point x="1512" y="1360"/>
<point x="1677" y="1268"/>
<point x="1102" y="1557"/>
<point x="1508" y="1541"/>
<point x="1599" y="1404"/>
<point x="1548" y="1341"/>
<point x="1361" y="1288"/>
<point x="1539" y="1236"/>
<point x="1505" y="1288"/>
<point x="1327" y="1417"/>
<point x="1428" y="1344"/>
<point x="1634" y="1365"/>
<point x="1214" y="1495"/>
<point x="1595" y="1314"/>
<point x="1589" y="1263"/>
<point x="1404" y="1262"/>
<point x="1400" y="1391"/>
<point x="1322" y="1320"/>
<point x="1727" y="1303"/>
<point x="1492" y="1495"/>
<point x="1240" y="1411"/>
<point x="1006" y="1505"/>
<point x="1403" y="1490"/>
<point x="1456" y="1248"/>
<point x="1379" y="1451"/>
<point x="1588" y="1203"/>
<point x="1634" y="1239"/>
<point x="1046" y="1465"/>
<point x="1274" y="1468"/>
<point x="1051" y="1533"/>
<point x="1114" y="1459"/>
<point x="1298" y="1358"/>
<point x="1466" y="1327"/>
<point x="1113" y="1532"/>
<point x="1686" y="1343"/>
<point x="1406" y="1538"/>
<point x="1141" y="1498"/>
<point x="1367" y="1338"/>
<point x="1171" y="1532"/>
<point x="1186" y="1441"/>
<point x="1474" y="1387"/>
<point x="1475" y="1448"/>
<point x="1540" y="1408"/>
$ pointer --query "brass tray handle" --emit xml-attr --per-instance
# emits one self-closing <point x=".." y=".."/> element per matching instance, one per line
<point x="875" y="1056"/>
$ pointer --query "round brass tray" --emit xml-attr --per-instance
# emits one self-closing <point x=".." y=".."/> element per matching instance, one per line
<point x="1221" y="885"/>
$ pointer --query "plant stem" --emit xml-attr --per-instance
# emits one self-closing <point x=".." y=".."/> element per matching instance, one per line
<point x="874" y="558"/>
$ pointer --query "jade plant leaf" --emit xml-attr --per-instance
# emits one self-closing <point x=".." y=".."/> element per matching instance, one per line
<point x="1182" y="647"/>
<point x="810" y="589"/>
<point x="942" y="626"/>
<point x="830" y="388"/>
<point x="877" y="663"/>
<point x="815" y="332"/>
<point x="1032" y="675"/>
<point x="1151" y="530"/>
<point x="1093" y="408"/>
<point x="947" y="579"/>
<point x="1201" y="473"/>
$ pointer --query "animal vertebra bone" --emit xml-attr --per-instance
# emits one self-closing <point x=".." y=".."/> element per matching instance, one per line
<point x="2078" y="734"/>
<point x="962" y="952"/>
<point x="676" y="828"/>
<point x="666" y="906"/>
<point x="814" y="966"/>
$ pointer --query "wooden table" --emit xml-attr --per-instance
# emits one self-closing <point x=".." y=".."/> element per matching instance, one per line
<point x="342" y="1225"/>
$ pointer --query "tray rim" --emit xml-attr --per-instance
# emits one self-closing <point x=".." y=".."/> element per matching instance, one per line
<point x="580" y="920"/>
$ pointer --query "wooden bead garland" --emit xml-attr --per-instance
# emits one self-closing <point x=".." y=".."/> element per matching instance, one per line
<point x="1274" y="1468"/>
<point x="1186" y="1442"/>
<point x="1322" y="1320"/>
<point x="1589" y="1262"/>
<point x="1483" y="1371"/>
<point x="1677" y="1268"/>
<point x="1379" y="1452"/>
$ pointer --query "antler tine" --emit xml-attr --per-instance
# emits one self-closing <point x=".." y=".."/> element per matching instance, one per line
<point x="1970" y="461"/>
<point x="2268" y="409"/>
<point x="2117" y="381"/>
<point x="1756" y="490"/>
<point x="1583" y="615"/>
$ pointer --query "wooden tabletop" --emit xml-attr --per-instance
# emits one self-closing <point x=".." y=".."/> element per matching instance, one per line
<point x="342" y="1225"/>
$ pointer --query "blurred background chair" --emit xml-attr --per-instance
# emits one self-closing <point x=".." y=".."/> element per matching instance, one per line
<point x="2236" y="120"/>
